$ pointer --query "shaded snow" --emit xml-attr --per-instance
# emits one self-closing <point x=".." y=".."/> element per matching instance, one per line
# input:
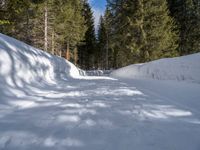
<point x="185" y="68"/>
<point x="44" y="105"/>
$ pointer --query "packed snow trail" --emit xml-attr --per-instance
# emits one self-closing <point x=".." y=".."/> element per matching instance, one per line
<point x="100" y="114"/>
<point x="46" y="105"/>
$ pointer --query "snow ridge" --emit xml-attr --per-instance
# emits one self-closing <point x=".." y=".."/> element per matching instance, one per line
<point x="22" y="64"/>
<point x="185" y="68"/>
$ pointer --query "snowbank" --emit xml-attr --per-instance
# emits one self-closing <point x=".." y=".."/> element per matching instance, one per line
<point x="22" y="64"/>
<point x="180" y="68"/>
<point x="98" y="72"/>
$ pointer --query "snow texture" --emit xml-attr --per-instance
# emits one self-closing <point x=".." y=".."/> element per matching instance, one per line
<point x="186" y="68"/>
<point x="98" y="72"/>
<point x="45" y="104"/>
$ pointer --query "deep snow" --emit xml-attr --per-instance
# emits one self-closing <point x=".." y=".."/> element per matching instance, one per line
<point x="186" y="68"/>
<point x="46" y="104"/>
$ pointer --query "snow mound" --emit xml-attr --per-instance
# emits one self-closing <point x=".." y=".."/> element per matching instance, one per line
<point x="185" y="68"/>
<point x="98" y="72"/>
<point x="22" y="64"/>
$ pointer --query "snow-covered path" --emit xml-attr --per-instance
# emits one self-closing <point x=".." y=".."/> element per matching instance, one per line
<point x="103" y="114"/>
<point x="46" y="105"/>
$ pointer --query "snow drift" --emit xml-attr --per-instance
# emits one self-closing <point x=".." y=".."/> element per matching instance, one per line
<point x="43" y="107"/>
<point x="185" y="68"/>
<point x="21" y="64"/>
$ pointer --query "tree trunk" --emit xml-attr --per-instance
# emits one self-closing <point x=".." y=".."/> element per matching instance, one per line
<point x="60" y="53"/>
<point x="75" y="56"/>
<point x="68" y="52"/>
<point x="27" y="27"/>
<point x="106" y="51"/>
<point x="45" y="27"/>
<point x="53" y="43"/>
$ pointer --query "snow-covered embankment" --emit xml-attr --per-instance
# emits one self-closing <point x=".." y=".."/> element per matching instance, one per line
<point x="22" y="64"/>
<point x="185" y="68"/>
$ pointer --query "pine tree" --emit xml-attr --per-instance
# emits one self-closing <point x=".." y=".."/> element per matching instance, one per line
<point x="101" y="43"/>
<point x="187" y="16"/>
<point x="70" y="23"/>
<point x="51" y="25"/>
<point x="105" y="53"/>
<point x="15" y="19"/>
<point x="3" y="9"/>
<point x="87" y="53"/>
<point x="142" y="30"/>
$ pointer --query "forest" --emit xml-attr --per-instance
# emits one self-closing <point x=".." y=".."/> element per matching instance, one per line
<point x="129" y="32"/>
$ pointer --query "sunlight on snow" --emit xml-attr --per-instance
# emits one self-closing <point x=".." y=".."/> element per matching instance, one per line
<point x="50" y="142"/>
<point x="6" y="63"/>
<point x="80" y="111"/>
<point x="67" y="94"/>
<point x="156" y="112"/>
<point x="68" y="118"/>
<point x="98" y="104"/>
<point x="23" y="104"/>
<point x="119" y="92"/>
<point x="22" y="139"/>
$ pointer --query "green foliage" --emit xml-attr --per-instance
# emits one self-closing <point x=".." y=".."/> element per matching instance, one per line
<point x="70" y="21"/>
<point x="131" y="31"/>
<point x="24" y="20"/>
<point x="142" y="30"/>
<point x="14" y="17"/>
<point x="88" y="50"/>
<point x="187" y="16"/>
<point x="3" y="22"/>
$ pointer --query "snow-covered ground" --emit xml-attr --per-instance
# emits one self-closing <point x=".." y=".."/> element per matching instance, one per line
<point x="186" y="68"/>
<point x="46" y="104"/>
<point x="98" y="72"/>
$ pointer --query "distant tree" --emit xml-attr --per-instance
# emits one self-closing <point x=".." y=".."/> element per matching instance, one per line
<point x="87" y="50"/>
<point x="52" y="25"/>
<point x="105" y="52"/>
<point x="14" y="19"/>
<point x="142" y="30"/>
<point x="187" y="17"/>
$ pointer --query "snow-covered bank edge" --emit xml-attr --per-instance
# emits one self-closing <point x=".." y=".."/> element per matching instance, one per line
<point x="185" y="68"/>
<point x="19" y="59"/>
<point x="22" y="64"/>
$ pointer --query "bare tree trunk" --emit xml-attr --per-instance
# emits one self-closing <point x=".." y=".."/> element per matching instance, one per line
<point x="68" y="52"/>
<point x="27" y="27"/>
<point x="60" y="53"/>
<point x="53" y="43"/>
<point x="45" y="27"/>
<point x="106" y="50"/>
<point x="75" y="56"/>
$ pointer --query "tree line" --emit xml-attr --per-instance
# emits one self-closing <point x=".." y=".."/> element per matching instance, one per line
<point x="61" y="27"/>
<point x="131" y="31"/>
<point x="138" y="31"/>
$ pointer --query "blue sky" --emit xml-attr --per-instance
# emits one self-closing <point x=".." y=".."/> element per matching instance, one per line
<point x="98" y="7"/>
<point x="99" y="4"/>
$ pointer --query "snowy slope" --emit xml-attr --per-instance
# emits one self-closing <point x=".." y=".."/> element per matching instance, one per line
<point x="181" y="68"/>
<point x="23" y="64"/>
<point x="46" y="105"/>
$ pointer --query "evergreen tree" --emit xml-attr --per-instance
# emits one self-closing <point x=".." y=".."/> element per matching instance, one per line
<point x="87" y="50"/>
<point x="15" y="19"/>
<point x="3" y="19"/>
<point x="101" y="43"/>
<point x="105" y="53"/>
<point x="70" y="23"/>
<point x="187" y="16"/>
<point x="53" y="25"/>
<point x="142" y="30"/>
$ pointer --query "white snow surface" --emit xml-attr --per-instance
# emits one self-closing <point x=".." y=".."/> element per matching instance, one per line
<point x="186" y="68"/>
<point x="45" y="104"/>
